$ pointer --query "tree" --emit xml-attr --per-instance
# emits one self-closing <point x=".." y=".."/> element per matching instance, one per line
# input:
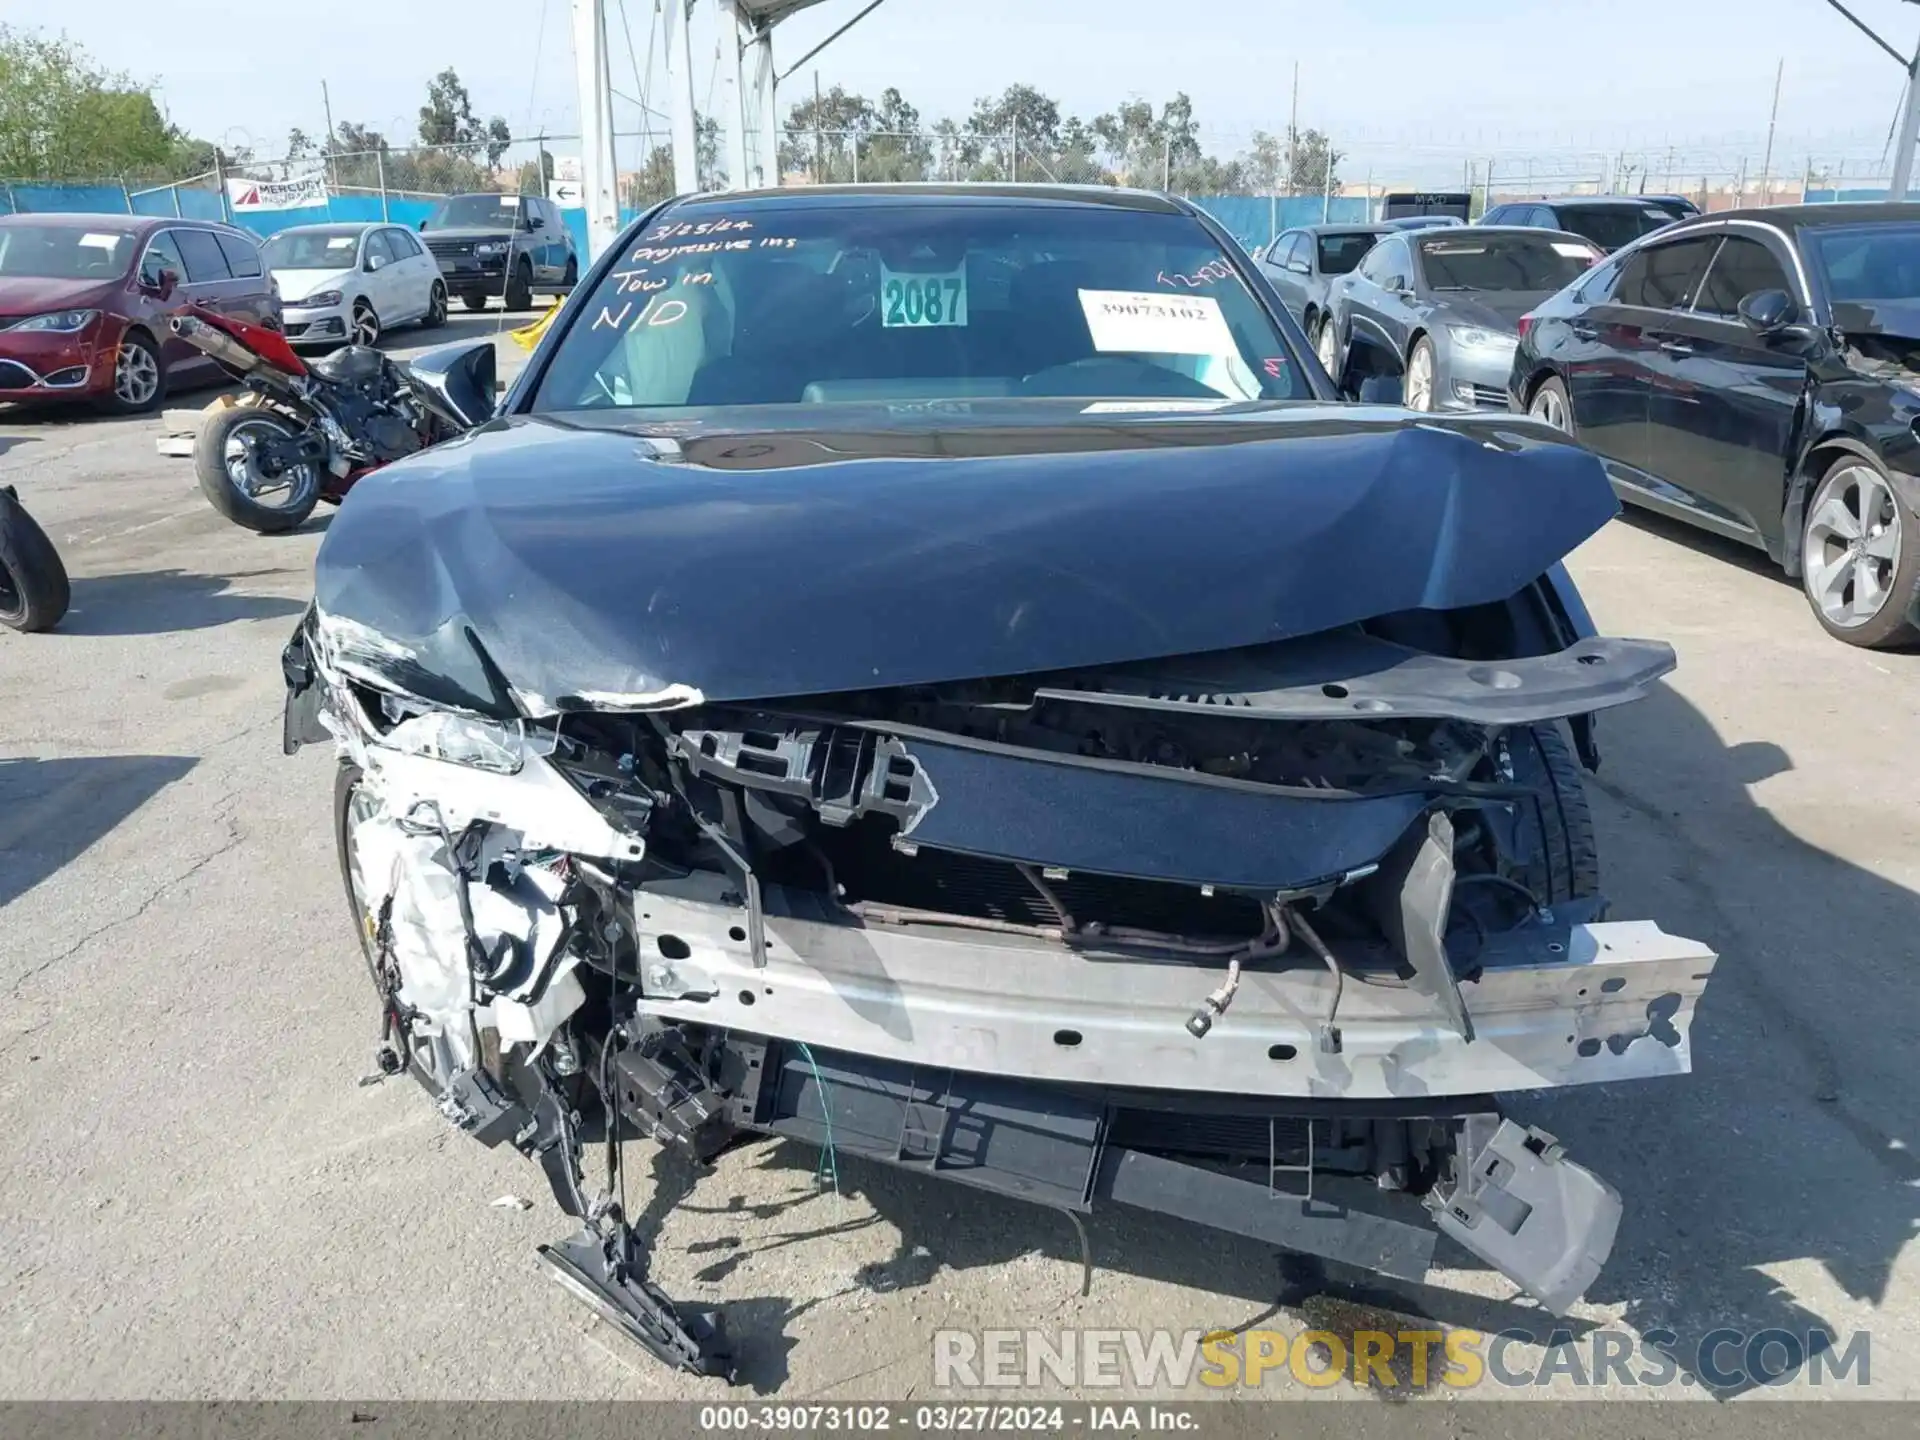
<point x="447" y="121"/>
<point x="63" y="117"/>
<point x="1316" y="164"/>
<point x="821" y="133"/>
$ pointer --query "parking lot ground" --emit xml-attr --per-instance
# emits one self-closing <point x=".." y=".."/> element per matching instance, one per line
<point x="200" y="1199"/>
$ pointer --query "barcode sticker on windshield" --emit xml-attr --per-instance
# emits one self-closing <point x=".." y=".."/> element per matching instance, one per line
<point x="923" y="297"/>
<point x="1572" y="251"/>
<point x="1141" y="322"/>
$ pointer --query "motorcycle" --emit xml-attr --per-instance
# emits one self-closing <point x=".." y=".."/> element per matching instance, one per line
<point x="33" y="583"/>
<point x="312" y="428"/>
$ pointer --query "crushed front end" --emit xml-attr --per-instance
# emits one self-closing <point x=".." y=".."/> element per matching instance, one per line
<point x="1250" y="937"/>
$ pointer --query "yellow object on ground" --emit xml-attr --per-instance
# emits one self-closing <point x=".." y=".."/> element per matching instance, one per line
<point x="528" y="336"/>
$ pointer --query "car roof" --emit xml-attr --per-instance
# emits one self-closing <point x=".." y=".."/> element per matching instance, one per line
<point x="336" y="225"/>
<point x="1469" y="232"/>
<point x="1637" y="202"/>
<point x="1334" y="227"/>
<point x="83" y="220"/>
<point x="826" y="197"/>
<point x="1806" y="217"/>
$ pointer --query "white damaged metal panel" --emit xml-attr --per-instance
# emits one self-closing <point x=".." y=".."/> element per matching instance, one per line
<point x="1617" y="1006"/>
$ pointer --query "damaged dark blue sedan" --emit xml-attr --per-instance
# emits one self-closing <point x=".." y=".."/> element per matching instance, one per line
<point x="934" y="672"/>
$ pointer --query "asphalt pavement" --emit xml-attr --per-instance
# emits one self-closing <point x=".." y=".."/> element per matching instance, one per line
<point x="199" y="1198"/>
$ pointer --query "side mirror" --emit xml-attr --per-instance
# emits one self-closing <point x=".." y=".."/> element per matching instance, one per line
<point x="1767" y="312"/>
<point x="456" y="381"/>
<point x="374" y="262"/>
<point x="1382" y="390"/>
<point x="162" y="286"/>
<point x="421" y="227"/>
<point x="534" y="222"/>
<point x="1299" y="267"/>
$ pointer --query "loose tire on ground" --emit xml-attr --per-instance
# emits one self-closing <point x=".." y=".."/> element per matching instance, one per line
<point x="34" y="591"/>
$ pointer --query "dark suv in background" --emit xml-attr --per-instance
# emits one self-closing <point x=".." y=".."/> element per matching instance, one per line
<point x="507" y="245"/>
<point x="1609" y="221"/>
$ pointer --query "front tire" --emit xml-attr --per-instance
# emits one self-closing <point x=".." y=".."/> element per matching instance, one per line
<point x="1551" y="404"/>
<point x="436" y="315"/>
<point x="1326" y="345"/>
<point x="1860" y="557"/>
<point x="232" y="481"/>
<point x="519" y="295"/>
<point x="366" y="324"/>
<point x="34" y="591"/>
<point x="1420" y="368"/>
<point x="139" y="379"/>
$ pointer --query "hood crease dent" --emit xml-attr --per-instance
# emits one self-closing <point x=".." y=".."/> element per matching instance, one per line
<point x="543" y="567"/>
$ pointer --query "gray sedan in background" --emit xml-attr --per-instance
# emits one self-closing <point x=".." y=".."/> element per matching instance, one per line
<point x="1441" y="309"/>
<point x="1303" y="263"/>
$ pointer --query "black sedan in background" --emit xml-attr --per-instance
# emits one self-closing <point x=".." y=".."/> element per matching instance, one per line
<point x="1442" y="308"/>
<point x="1610" y="221"/>
<point x="1302" y="263"/>
<point x="1756" y="373"/>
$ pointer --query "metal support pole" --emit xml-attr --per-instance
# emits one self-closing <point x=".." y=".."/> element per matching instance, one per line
<point x="598" y="173"/>
<point x="380" y="168"/>
<point x="1909" y="127"/>
<point x="1326" y="193"/>
<point x="765" y="95"/>
<point x="1773" y="116"/>
<point x="1013" y="151"/>
<point x="175" y="189"/>
<point x="677" y="31"/>
<point x="736" y="32"/>
<point x="220" y="186"/>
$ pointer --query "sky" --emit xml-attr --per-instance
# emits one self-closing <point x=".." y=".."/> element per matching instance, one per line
<point x="1394" y="81"/>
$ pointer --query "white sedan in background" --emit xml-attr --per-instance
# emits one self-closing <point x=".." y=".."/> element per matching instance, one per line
<point x="348" y="284"/>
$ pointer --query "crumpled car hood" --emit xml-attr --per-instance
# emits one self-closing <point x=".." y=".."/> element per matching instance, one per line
<point x="556" y="565"/>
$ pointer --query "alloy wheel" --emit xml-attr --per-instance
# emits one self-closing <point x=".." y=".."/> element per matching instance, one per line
<point x="241" y="459"/>
<point x="1852" y="546"/>
<point x="1328" y="348"/>
<point x="136" y="375"/>
<point x="1548" y="406"/>
<point x="366" y="325"/>
<point x="1419" y="394"/>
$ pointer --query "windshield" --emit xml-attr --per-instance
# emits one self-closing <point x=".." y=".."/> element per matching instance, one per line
<point x="1611" y="226"/>
<point x="1504" y="262"/>
<point x="477" y="212"/>
<point x="770" y="305"/>
<point x="64" y="252"/>
<point x="313" y="249"/>
<point x="1340" y="253"/>
<point x="1868" y="262"/>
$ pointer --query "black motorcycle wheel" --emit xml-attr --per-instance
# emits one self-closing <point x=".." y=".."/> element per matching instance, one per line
<point x="231" y="480"/>
<point x="34" y="591"/>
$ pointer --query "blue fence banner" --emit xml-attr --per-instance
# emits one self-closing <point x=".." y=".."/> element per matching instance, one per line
<point x="1253" y="219"/>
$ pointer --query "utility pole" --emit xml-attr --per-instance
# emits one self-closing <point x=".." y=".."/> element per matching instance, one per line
<point x="326" y="105"/>
<point x="1293" y="125"/>
<point x="1909" y="123"/>
<point x="1773" y="116"/>
<point x="818" y="177"/>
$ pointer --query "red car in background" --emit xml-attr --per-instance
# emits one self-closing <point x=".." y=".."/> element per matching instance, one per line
<point x="85" y="301"/>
